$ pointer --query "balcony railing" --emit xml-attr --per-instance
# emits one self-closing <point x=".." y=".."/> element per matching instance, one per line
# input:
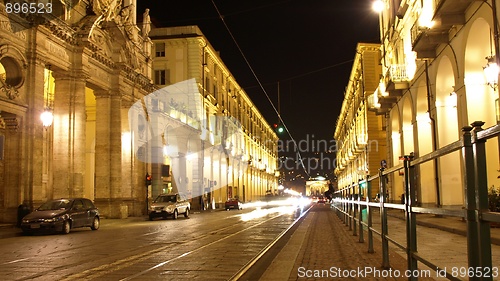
<point x="397" y="73"/>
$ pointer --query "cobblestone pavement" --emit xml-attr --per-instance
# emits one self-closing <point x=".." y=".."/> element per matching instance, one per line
<point x="323" y="248"/>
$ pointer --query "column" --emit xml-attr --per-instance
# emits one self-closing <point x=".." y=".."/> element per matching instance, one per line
<point x="108" y="147"/>
<point x="36" y="148"/>
<point x="179" y="184"/>
<point x="69" y="135"/>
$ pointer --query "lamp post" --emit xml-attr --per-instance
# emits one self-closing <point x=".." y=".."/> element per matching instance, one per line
<point x="47" y="118"/>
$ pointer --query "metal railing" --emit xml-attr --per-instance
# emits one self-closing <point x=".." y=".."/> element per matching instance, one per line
<point x="476" y="214"/>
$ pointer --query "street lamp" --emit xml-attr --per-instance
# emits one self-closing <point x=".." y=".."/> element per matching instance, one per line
<point x="47" y="117"/>
<point x="491" y="71"/>
<point x="378" y="6"/>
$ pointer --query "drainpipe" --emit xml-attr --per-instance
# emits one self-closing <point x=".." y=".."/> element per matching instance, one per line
<point x="434" y="135"/>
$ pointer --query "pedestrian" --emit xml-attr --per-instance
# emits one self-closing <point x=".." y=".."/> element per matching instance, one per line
<point x="22" y="210"/>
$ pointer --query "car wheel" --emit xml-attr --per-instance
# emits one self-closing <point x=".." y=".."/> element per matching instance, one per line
<point x="66" y="227"/>
<point x="95" y="224"/>
<point x="186" y="214"/>
<point x="176" y="214"/>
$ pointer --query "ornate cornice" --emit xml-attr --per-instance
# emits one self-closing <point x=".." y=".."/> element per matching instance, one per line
<point x="61" y="30"/>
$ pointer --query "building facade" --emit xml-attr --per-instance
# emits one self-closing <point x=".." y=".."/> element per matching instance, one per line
<point x="84" y="65"/>
<point x="360" y="131"/>
<point x="434" y="57"/>
<point x="240" y="164"/>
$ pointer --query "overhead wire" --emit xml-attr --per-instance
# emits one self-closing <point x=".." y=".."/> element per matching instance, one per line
<point x="300" y="159"/>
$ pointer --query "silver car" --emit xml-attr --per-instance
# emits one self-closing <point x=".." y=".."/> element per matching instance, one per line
<point x="169" y="205"/>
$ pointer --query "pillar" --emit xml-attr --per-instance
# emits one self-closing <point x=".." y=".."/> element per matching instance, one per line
<point x="108" y="148"/>
<point x="69" y="135"/>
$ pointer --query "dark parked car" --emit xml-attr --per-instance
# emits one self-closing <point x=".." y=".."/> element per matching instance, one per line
<point x="62" y="215"/>
<point x="233" y="203"/>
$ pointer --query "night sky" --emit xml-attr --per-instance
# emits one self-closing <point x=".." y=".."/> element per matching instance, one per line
<point x="306" y="46"/>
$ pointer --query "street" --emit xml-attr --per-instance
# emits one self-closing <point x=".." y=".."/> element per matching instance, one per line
<point x="207" y="246"/>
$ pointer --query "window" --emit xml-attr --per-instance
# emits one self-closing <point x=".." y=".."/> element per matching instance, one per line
<point x="207" y="84"/>
<point x="160" y="78"/>
<point x="160" y="50"/>
<point x="78" y="205"/>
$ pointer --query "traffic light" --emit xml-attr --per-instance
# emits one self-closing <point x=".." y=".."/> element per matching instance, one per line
<point x="148" y="179"/>
<point x="278" y="128"/>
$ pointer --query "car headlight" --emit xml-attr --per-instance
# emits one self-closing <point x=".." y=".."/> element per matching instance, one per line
<point x="53" y="219"/>
<point x="170" y="208"/>
<point x="26" y="221"/>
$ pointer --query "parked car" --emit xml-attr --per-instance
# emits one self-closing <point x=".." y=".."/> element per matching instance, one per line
<point x="166" y="205"/>
<point x="62" y="215"/>
<point x="233" y="203"/>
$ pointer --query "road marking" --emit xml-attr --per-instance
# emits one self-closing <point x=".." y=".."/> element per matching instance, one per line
<point x="99" y="271"/>
<point x="14" y="261"/>
<point x="198" y="249"/>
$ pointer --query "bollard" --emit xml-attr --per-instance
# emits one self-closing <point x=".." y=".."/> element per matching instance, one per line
<point x="369" y="215"/>
<point x="349" y="211"/>
<point x="483" y="227"/>
<point x="360" y="221"/>
<point x="411" y="222"/>
<point x="470" y="198"/>
<point x="354" y="209"/>
<point x="383" y="220"/>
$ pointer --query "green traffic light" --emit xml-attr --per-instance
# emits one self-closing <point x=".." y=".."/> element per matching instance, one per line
<point x="280" y="130"/>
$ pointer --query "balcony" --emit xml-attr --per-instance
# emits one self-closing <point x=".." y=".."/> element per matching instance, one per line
<point x="425" y="41"/>
<point x="448" y="13"/>
<point x="396" y="79"/>
<point x="378" y="104"/>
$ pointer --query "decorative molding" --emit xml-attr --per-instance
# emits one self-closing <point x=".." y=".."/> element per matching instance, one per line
<point x="11" y="92"/>
<point x="9" y="122"/>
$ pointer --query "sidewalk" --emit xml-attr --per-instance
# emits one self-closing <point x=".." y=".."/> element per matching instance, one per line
<point x="449" y="224"/>
<point x="323" y="247"/>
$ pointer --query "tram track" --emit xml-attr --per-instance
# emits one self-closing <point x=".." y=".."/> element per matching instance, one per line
<point x="183" y="248"/>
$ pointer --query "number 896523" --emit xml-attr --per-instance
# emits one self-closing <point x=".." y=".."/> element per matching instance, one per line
<point x="30" y="7"/>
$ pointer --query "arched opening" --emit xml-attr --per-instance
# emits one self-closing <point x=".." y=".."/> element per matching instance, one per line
<point x="482" y="100"/>
<point x="397" y="179"/>
<point x="451" y="191"/>
<point x="408" y="142"/>
<point x="426" y="173"/>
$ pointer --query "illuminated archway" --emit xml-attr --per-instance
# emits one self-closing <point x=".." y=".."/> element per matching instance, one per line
<point x="480" y="97"/>
<point x="397" y="180"/>
<point x="408" y="142"/>
<point x="451" y="191"/>
<point x="425" y="140"/>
